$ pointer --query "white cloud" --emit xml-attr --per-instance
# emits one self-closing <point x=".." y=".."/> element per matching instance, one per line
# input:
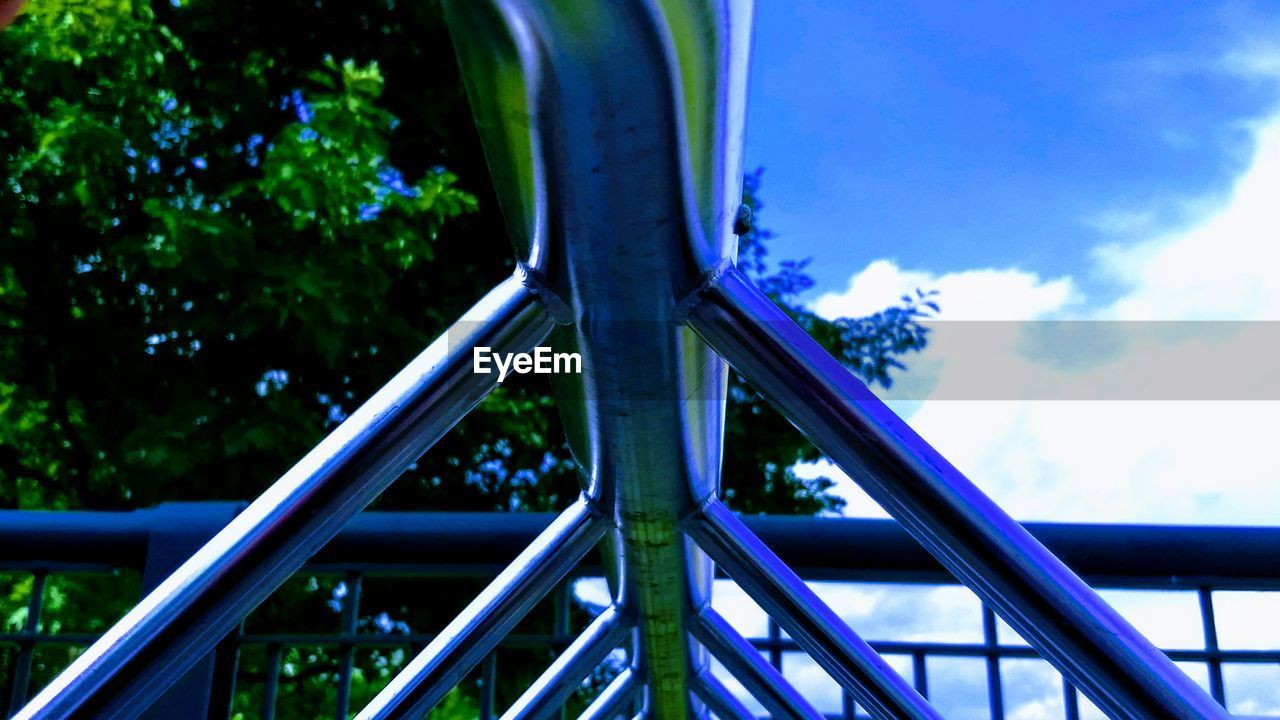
<point x="985" y="294"/>
<point x="1112" y="461"/>
<point x="1099" y="461"/>
<point x="1222" y="268"/>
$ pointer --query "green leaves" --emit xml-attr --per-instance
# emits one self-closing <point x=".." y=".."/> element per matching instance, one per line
<point x="223" y="234"/>
<point x="177" y="234"/>
<point x="329" y="172"/>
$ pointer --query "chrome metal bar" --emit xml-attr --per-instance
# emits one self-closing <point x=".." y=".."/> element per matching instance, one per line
<point x="615" y="699"/>
<point x="718" y="697"/>
<point x="478" y="629"/>
<point x="1040" y="597"/>
<point x="564" y="676"/>
<point x="744" y="662"/>
<point x="569" y="137"/>
<point x="784" y="596"/>
<point x="182" y="619"/>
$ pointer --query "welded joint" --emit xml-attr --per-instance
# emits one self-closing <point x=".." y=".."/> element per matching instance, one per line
<point x="556" y="307"/>
<point x="710" y="281"/>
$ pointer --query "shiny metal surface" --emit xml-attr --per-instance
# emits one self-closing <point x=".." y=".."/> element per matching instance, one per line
<point x="746" y="664"/>
<point x="620" y="182"/>
<point x="616" y="698"/>
<point x="719" y="699"/>
<point x="1031" y="589"/>
<point x="785" y="597"/>
<point x="476" y="631"/>
<point x="182" y="619"/>
<point x="613" y="129"/>
<point x="549" y="692"/>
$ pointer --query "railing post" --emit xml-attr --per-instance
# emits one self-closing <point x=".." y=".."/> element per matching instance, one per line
<point x="20" y="672"/>
<point x="176" y="532"/>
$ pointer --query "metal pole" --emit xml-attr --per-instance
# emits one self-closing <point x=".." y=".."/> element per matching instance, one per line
<point x="182" y="619"/>
<point x="720" y="699"/>
<point x="995" y="688"/>
<point x="986" y="549"/>
<point x="617" y="696"/>
<point x="745" y="663"/>
<point x="20" y="676"/>
<point x="488" y="679"/>
<point x="565" y="675"/>
<point x="783" y="595"/>
<point x="347" y="653"/>
<point x="620" y="183"/>
<point x="815" y="547"/>
<point x="478" y="629"/>
<point x="1209" y="620"/>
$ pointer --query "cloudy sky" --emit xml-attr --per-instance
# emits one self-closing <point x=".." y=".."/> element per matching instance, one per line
<point x="1041" y="162"/>
<point x="1047" y="162"/>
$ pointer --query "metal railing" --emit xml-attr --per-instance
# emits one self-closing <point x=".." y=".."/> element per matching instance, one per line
<point x="1189" y="560"/>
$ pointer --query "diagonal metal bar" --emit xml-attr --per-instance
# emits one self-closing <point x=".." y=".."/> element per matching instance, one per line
<point x="850" y="661"/>
<point x="478" y="629"/>
<point x="718" y="697"/>
<point x="745" y="663"/>
<point x="550" y="691"/>
<point x="616" y="698"/>
<point x="1088" y="641"/>
<point x="182" y="619"/>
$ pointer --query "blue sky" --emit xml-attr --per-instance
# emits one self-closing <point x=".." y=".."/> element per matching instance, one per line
<point x="994" y="133"/>
<point x="1042" y="161"/>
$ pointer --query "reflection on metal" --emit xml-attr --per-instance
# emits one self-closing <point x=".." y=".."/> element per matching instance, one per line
<point x="755" y="673"/>
<point x="614" y="131"/>
<point x="483" y="624"/>
<point x="719" y="699"/>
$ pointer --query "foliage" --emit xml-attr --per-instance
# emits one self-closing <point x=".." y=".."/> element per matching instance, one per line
<point x="761" y="447"/>
<point x="225" y="228"/>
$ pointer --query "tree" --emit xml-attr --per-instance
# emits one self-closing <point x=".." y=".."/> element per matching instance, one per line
<point x="226" y="229"/>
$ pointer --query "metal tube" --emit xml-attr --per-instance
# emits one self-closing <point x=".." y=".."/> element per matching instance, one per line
<point x="644" y="419"/>
<point x="271" y="686"/>
<point x="1107" y="555"/>
<point x="745" y="663"/>
<point x="1041" y="598"/>
<point x="784" y="596"/>
<point x="488" y="679"/>
<point x="995" y="688"/>
<point x="718" y="697"/>
<point x="615" y="698"/>
<point x="563" y="677"/>
<point x="182" y="619"/>
<point x="347" y="653"/>
<point x="1209" y="620"/>
<point x="478" y="629"/>
<point x="21" y="672"/>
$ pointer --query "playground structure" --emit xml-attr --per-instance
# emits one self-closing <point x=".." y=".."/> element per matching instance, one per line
<point x="613" y="130"/>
